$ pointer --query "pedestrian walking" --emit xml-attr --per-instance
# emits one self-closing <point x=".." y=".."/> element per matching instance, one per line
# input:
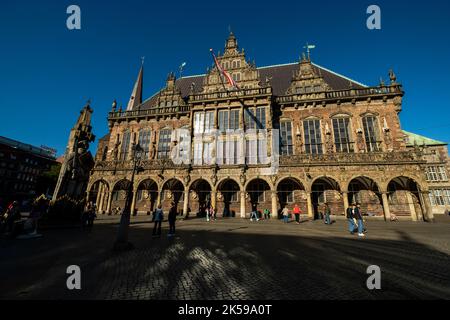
<point x="208" y="214"/>
<point x="350" y="217"/>
<point x="84" y="216"/>
<point x="297" y="212"/>
<point x="266" y="214"/>
<point x="91" y="217"/>
<point x="172" y="219"/>
<point x="254" y="214"/>
<point x="214" y="213"/>
<point x="327" y="214"/>
<point x="159" y="216"/>
<point x="359" y="218"/>
<point x="285" y="214"/>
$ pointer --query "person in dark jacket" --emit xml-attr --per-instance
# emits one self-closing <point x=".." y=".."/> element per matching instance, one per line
<point x="327" y="211"/>
<point x="159" y="216"/>
<point x="172" y="219"/>
<point x="350" y="216"/>
<point x="358" y="216"/>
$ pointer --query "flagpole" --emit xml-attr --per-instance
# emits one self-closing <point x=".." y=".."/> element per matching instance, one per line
<point x="218" y="69"/>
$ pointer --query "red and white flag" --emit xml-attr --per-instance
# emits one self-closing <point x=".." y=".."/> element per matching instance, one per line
<point x="222" y="71"/>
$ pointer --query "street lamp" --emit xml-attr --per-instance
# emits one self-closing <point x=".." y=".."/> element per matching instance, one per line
<point x="122" y="236"/>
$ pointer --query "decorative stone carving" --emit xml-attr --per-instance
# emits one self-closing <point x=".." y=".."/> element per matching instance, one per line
<point x="242" y="177"/>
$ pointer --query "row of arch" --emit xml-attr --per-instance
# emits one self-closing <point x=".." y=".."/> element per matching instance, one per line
<point x="402" y="196"/>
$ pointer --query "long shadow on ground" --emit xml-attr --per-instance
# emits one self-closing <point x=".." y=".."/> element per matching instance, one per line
<point x="220" y="265"/>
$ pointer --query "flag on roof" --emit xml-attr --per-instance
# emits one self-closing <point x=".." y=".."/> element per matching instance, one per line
<point x="223" y="72"/>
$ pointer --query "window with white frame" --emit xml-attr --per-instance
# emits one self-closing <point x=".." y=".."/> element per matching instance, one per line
<point x="203" y="122"/>
<point x="228" y="151"/>
<point x="436" y="173"/>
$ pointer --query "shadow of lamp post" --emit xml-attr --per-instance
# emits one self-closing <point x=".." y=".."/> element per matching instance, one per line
<point x="122" y="242"/>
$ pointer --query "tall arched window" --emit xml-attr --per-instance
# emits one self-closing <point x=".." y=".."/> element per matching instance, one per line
<point x="313" y="136"/>
<point x="287" y="145"/>
<point x="165" y="136"/>
<point x="125" y="146"/>
<point x="342" y="138"/>
<point x="371" y="133"/>
<point x="144" y="141"/>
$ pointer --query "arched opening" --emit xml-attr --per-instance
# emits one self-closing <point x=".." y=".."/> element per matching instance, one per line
<point x="119" y="195"/>
<point x="172" y="191"/>
<point x="258" y="197"/>
<point x="146" y="196"/>
<point x="200" y="193"/>
<point x="99" y="194"/>
<point x="365" y="191"/>
<point x="228" y="198"/>
<point x="404" y="198"/>
<point x="290" y="192"/>
<point x="326" y="190"/>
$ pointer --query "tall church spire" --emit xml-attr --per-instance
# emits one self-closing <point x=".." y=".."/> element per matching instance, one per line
<point x="136" y="95"/>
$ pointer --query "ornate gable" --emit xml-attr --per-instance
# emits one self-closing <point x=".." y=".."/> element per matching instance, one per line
<point x="233" y="61"/>
<point x="170" y="96"/>
<point x="306" y="80"/>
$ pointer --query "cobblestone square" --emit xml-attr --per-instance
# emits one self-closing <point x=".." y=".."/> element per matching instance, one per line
<point x="232" y="259"/>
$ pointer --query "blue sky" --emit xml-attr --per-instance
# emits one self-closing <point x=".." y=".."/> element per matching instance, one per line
<point x="47" y="72"/>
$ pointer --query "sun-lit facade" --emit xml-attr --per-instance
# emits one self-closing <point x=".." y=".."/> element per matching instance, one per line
<point x="291" y="134"/>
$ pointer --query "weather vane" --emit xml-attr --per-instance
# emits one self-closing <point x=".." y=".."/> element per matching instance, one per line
<point x="308" y="48"/>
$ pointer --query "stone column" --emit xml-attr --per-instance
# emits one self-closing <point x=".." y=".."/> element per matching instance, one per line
<point x="108" y="206"/>
<point x="186" y="202"/>
<point x="345" y="198"/>
<point x="309" y="204"/>
<point x="158" y="201"/>
<point x="428" y="213"/>
<point x="387" y="211"/>
<point x="274" y="205"/>
<point x="102" y="200"/>
<point x="412" y="209"/>
<point x="242" y="204"/>
<point x="214" y="198"/>
<point x="100" y="190"/>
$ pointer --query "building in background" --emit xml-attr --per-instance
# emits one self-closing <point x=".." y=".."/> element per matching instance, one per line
<point x="339" y="141"/>
<point x="436" y="169"/>
<point x="21" y="166"/>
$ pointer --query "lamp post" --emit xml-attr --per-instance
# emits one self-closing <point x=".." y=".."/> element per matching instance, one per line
<point x="122" y="242"/>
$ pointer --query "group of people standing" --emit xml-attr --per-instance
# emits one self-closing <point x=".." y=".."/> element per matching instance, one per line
<point x="355" y="220"/>
<point x="88" y="216"/>
<point x="158" y="218"/>
<point x="296" y="211"/>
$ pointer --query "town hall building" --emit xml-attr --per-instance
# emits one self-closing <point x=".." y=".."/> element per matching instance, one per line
<point x="287" y="134"/>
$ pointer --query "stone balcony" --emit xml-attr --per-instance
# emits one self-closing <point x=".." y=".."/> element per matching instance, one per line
<point x="334" y="159"/>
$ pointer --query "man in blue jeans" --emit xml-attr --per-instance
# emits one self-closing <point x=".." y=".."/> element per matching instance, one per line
<point x="358" y="216"/>
<point x="350" y="216"/>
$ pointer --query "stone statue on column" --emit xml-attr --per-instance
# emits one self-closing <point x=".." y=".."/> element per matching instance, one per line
<point x="78" y="161"/>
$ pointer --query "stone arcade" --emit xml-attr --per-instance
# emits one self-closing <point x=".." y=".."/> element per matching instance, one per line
<point x="340" y="141"/>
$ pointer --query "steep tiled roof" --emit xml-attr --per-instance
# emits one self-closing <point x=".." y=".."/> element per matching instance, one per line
<point x="415" y="139"/>
<point x="280" y="75"/>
